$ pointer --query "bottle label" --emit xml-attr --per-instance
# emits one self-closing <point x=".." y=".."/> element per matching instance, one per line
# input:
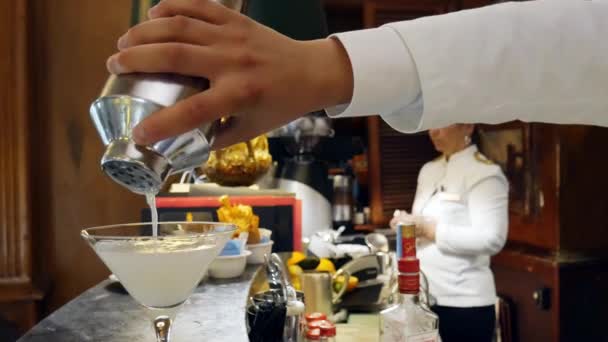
<point x="409" y="283"/>
<point x="408" y="240"/>
<point x="409" y="247"/>
<point x="408" y="230"/>
<point x="431" y="336"/>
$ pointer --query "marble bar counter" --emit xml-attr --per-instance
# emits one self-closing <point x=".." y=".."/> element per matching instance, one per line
<point x="215" y="312"/>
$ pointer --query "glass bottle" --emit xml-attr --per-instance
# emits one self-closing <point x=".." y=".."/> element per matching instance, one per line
<point x="409" y="320"/>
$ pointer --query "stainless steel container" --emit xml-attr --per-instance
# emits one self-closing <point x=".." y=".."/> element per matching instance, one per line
<point x="319" y="295"/>
<point x="342" y="206"/>
<point x="124" y="102"/>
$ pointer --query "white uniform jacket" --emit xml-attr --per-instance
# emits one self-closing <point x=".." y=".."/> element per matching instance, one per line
<point x="467" y="196"/>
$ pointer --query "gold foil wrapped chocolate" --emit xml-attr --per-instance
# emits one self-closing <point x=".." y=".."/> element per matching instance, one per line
<point x="242" y="216"/>
<point x="241" y="164"/>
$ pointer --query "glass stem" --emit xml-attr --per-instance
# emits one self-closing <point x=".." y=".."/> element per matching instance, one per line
<point x="162" y="326"/>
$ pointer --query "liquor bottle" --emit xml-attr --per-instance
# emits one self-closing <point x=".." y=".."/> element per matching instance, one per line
<point x="409" y="320"/>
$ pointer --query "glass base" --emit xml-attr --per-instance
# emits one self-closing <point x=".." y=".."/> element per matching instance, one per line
<point x="162" y="320"/>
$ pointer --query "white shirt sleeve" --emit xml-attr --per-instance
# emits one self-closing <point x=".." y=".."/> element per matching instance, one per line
<point x="488" y="209"/>
<point x="543" y="61"/>
<point x="385" y="75"/>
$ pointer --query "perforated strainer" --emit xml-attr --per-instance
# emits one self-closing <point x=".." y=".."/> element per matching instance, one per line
<point x="135" y="176"/>
<point x="125" y="101"/>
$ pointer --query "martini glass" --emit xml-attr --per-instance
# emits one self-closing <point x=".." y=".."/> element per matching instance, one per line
<point x="159" y="272"/>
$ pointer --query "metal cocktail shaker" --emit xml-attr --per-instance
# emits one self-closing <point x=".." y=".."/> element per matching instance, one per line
<point x="124" y="102"/>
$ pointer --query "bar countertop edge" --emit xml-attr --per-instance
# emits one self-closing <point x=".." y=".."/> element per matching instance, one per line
<point x="106" y="312"/>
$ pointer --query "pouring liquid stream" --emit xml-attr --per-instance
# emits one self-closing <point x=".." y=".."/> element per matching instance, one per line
<point x="151" y="199"/>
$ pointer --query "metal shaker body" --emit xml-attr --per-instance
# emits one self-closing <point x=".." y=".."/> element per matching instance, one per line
<point x="128" y="99"/>
<point x="124" y="102"/>
<point x="342" y="206"/>
<point x="319" y="295"/>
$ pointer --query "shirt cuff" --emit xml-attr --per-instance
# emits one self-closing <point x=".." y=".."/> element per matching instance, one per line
<point x="384" y="73"/>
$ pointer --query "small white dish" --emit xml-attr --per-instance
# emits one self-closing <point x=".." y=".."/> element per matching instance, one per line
<point x="258" y="251"/>
<point x="229" y="266"/>
<point x="265" y="234"/>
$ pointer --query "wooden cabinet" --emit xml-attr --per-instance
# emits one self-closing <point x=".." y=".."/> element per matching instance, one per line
<point x="557" y="184"/>
<point x="532" y="295"/>
<point x="558" y="193"/>
<point x="559" y="245"/>
<point x="555" y="296"/>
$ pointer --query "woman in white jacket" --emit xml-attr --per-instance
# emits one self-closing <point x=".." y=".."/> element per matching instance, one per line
<point x="461" y="211"/>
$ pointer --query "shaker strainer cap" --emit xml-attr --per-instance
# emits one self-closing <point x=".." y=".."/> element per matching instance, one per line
<point x="134" y="167"/>
<point x="124" y="102"/>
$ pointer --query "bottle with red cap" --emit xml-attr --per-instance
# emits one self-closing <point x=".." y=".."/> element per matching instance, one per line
<point x="319" y="328"/>
<point x="313" y="335"/>
<point x="323" y="331"/>
<point x="409" y="321"/>
<point x="328" y="331"/>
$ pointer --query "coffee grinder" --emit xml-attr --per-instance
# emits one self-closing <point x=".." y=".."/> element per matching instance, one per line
<point x="297" y="148"/>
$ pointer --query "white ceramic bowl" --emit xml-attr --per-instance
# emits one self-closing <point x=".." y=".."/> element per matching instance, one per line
<point x="229" y="266"/>
<point x="257" y="252"/>
<point x="265" y="233"/>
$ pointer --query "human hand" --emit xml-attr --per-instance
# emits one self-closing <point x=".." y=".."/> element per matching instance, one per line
<point x="260" y="77"/>
<point x="399" y="216"/>
<point x="425" y="226"/>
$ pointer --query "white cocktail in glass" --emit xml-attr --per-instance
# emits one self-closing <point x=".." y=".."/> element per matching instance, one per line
<point x="159" y="272"/>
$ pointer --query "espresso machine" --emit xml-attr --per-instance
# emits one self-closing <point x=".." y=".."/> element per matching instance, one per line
<point x="300" y="170"/>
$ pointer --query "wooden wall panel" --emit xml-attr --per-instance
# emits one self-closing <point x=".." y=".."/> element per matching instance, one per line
<point x="71" y="41"/>
<point x="402" y="156"/>
<point x="15" y="251"/>
<point x="22" y="315"/>
<point x="380" y="12"/>
<point x="375" y="185"/>
<point x="18" y="295"/>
